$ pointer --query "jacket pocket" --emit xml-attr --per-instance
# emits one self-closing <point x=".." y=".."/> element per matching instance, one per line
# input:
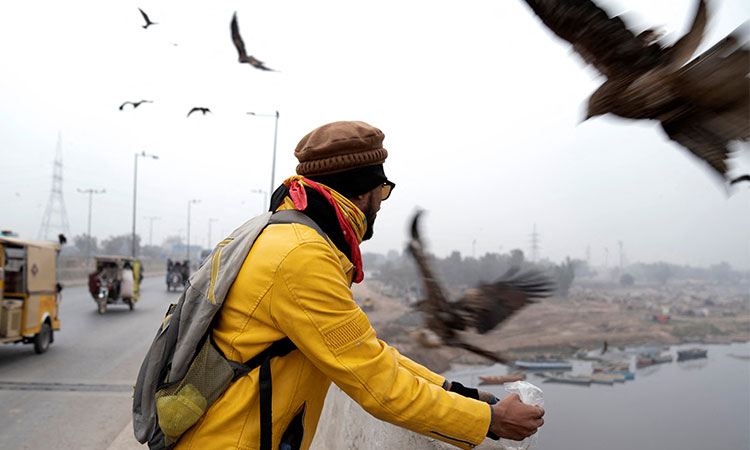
<point x="295" y="431"/>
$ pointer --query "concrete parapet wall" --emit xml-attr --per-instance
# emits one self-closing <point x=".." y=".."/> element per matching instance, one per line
<point x="344" y="424"/>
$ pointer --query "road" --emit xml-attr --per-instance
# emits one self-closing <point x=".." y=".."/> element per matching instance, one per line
<point x="78" y="394"/>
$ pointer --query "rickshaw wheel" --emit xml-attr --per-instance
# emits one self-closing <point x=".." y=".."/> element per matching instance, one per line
<point x="101" y="306"/>
<point x="43" y="338"/>
<point x="131" y="304"/>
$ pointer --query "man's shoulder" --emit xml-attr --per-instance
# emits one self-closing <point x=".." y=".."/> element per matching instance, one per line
<point x="278" y="241"/>
<point x="291" y="235"/>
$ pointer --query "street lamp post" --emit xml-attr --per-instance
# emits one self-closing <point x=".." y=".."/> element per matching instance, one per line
<point x="135" y="188"/>
<point x="91" y="193"/>
<point x="190" y="203"/>
<point x="265" y="196"/>
<point x="275" y="134"/>
<point x="151" y="229"/>
<point x="210" y="221"/>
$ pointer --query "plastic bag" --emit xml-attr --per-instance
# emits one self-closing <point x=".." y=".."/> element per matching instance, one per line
<point x="530" y="395"/>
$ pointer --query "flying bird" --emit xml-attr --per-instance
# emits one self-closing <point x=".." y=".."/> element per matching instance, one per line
<point x="203" y="110"/>
<point x="148" y="21"/>
<point x="240" y="46"/>
<point x="135" y="104"/>
<point x="482" y="308"/>
<point x="702" y="103"/>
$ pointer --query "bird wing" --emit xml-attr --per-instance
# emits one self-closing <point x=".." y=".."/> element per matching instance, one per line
<point x="719" y="76"/>
<point x="237" y="39"/>
<point x="685" y="47"/>
<point x="436" y="301"/>
<point x="258" y="64"/>
<point x="145" y="16"/>
<point x="716" y="83"/>
<point x="703" y="137"/>
<point x="193" y="110"/>
<point x="125" y="103"/>
<point x="602" y="41"/>
<point x="490" y="304"/>
<point x="457" y="342"/>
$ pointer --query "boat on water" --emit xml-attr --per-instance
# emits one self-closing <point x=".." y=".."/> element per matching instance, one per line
<point x="549" y="364"/>
<point x="569" y="379"/>
<point x="612" y="366"/>
<point x="740" y="357"/>
<point x="643" y="361"/>
<point x="502" y="379"/>
<point x="661" y="359"/>
<point x="693" y="353"/>
<point x="648" y="359"/>
<point x="625" y="374"/>
<point x="619" y="377"/>
<point x="603" y="378"/>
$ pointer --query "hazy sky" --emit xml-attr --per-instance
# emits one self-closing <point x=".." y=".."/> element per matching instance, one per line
<point x="480" y="104"/>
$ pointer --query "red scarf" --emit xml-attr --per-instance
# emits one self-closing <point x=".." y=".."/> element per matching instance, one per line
<point x="299" y="198"/>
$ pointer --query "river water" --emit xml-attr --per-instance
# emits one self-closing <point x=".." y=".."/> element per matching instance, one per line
<point x="701" y="404"/>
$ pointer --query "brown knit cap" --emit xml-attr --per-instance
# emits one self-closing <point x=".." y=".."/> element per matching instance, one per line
<point x="338" y="147"/>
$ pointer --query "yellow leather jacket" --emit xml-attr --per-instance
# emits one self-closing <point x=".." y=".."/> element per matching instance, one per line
<point x="294" y="283"/>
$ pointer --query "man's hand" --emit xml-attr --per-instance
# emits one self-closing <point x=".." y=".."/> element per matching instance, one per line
<point x="512" y="419"/>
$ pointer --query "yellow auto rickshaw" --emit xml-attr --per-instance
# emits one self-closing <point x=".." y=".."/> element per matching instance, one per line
<point x="29" y="293"/>
<point x="116" y="280"/>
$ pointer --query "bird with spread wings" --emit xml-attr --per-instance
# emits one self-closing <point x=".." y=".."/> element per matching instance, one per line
<point x="199" y="109"/>
<point x="239" y="44"/>
<point x="148" y="21"/>
<point x="134" y="104"/>
<point x="482" y="308"/>
<point x="702" y="103"/>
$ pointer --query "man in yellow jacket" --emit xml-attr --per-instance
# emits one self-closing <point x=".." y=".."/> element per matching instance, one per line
<point x="295" y="284"/>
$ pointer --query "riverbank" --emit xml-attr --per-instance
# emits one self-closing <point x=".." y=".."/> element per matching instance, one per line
<point x="586" y="319"/>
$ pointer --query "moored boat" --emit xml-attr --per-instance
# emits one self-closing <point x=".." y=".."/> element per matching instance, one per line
<point x="626" y="374"/>
<point x="603" y="378"/>
<point x="550" y="364"/>
<point x="693" y="353"/>
<point x="569" y="379"/>
<point x="643" y="362"/>
<point x="501" y="379"/>
<point x="612" y="366"/>
<point x="619" y="377"/>
<point x="660" y="359"/>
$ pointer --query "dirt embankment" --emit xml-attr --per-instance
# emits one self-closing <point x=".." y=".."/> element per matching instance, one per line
<point x="562" y="326"/>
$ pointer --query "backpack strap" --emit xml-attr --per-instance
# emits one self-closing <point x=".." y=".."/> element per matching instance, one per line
<point x="294" y="216"/>
<point x="281" y="347"/>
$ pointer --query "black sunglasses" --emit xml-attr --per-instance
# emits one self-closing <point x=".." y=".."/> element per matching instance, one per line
<point x="386" y="189"/>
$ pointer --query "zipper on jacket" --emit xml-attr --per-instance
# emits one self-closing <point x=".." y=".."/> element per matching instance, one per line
<point x="454" y="439"/>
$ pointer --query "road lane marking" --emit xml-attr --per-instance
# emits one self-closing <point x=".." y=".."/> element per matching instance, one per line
<point x="82" y="387"/>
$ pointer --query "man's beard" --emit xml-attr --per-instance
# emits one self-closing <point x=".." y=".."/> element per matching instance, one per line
<point x="370" y="226"/>
<point x="370" y="215"/>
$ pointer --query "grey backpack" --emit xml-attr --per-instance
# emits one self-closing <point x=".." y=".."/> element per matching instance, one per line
<point x="184" y="372"/>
